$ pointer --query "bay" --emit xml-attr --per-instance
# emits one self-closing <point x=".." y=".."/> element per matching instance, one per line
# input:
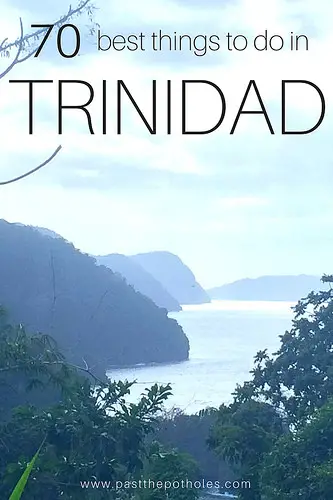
<point x="224" y="337"/>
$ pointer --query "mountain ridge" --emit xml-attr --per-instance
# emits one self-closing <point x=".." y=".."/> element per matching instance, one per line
<point x="49" y="286"/>
<point x="268" y="287"/>
<point x="174" y="275"/>
<point x="140" y="279"/>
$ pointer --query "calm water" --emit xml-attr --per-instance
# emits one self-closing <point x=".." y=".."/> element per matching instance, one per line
<point x="224" y="337"/>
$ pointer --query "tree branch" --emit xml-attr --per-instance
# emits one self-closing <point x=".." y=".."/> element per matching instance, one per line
<point x="25" y="39"/>
<point x="4" y="183"/>
<point x="84" y="369"/>
<point x="16" y="58"/>
<point x="20" y="43"/>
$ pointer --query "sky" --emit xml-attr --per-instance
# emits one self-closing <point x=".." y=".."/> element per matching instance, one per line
<point x="231" y="206"/>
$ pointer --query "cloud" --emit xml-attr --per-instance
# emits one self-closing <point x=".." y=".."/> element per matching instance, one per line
<point x="240" y="202"/>
<point x="252" y="203"/>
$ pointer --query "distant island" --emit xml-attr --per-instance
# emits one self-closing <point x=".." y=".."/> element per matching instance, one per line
<point x="174" y="275"/>
<point x="141" y="280"/>
<point x="275" y="288"/>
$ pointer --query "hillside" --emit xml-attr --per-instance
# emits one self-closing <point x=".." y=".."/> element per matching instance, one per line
<point x="275" y="288"/>
<point x="140" y="279"/>
<point x="46" y="232"/>
<point x="49" y="286"/>
<point x="174" y="275"/>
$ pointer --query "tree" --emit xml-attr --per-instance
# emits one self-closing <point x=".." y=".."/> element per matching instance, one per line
<point x="242" y="435"/>
<point x="189" y="434"/>
<point x="89" y="436"/>
<point x="170" y="474"/>
<point x="92" y="438"/>
<point x="298" y="379"/>
<point x="278" y="426"/>
<point x="28" y="363"/>
<point x="301" y="464"/>
<point x="26" y="48"/>
<point x="32" y="366"/>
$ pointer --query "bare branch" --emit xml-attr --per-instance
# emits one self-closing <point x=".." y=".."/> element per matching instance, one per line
<point x="2" y="44"/>
<point x="65" y="364"/>
<point x="20" y="44"/>
<point x="16" y="58"/>
<point x="85" y="364"/>
<point x="99" y="304"/>
<point x="27" y="56"/>
<point x="32" y="36"/>
<point x="4" y="183"/>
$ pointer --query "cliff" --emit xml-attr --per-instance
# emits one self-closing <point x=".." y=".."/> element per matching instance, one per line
<point x="49" y="286"/>
<point x="174" y="275"/>
<point x="140" y="279"/>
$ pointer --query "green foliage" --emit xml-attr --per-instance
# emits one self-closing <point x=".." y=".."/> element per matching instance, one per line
<point x="92" y="434"/>
<point x="177" y="472"/>
<point x="301" y="465"/>
<point x="19" y="488"/>
<point x="30" y="354"/>
<point x="242" y="435"/>
<point x="298" y="379"/>
<point x="189" y="434"/>
<point x="278" y="430"/>
<point x="29" y="364"/>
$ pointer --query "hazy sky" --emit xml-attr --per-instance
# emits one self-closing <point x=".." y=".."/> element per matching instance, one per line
<point x="229" y="206"/>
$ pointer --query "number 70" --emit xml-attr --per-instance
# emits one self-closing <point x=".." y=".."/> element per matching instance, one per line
<point x="59" y="38"/>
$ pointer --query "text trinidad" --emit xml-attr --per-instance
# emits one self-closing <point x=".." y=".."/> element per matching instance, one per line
<point x="123" y="90"/>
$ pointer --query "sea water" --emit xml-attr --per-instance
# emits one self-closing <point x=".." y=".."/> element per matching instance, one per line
<point x="224" y="338"/>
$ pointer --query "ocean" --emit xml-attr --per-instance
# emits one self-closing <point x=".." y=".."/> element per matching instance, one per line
<point x="224" y="337"/>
